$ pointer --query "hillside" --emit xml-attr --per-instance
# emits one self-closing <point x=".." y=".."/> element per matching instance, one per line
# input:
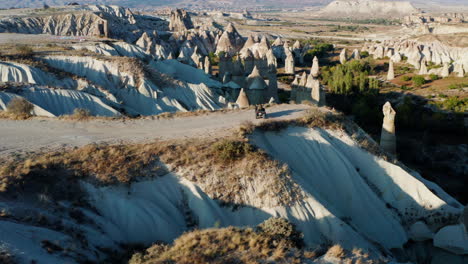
<point x="188" y="3"/>
<point x="368" y="9"/>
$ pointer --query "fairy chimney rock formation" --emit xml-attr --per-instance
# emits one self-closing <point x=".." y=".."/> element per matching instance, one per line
<point x="423" y="70"/>
<point x="180" y="20"/>
<point x="278" y="42"/>
<point x="242" y="99"/>
<point x="388" y="138"/>
<point x="343" y="58"/>
<point x="289" y="67"/>
<point x="230" y="41"/>
<point x="391" y="71"/>
<point x="445" y="71"/>
<point x="314" y="71"/>
<point x="207" y="65"/>
<point x="356" y="54"/>
<point x="255" y="80"/>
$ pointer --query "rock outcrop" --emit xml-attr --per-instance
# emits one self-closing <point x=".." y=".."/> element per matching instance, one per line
<point x="91" y="20"/>
<point x="343" y="57"/>
<point x="180" y="20"/>
<point x="388" y="138"/>
<point x="420" y="52"/>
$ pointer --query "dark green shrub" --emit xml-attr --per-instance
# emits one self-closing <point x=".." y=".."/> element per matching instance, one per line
<point x="434" y="77"/>
<point x="419" y="80"/>
<point x="364" y="54"/>
<point x="406" y="88"/>
<point x="406" y="78"/>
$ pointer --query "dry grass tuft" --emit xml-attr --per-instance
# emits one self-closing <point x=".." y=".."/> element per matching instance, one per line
<point x="80" y="114"/>
<point x="336" y="251"/>
<point x="19" y="108"/>
<point x="10" y="116"/>
<point x="226" y="245"/>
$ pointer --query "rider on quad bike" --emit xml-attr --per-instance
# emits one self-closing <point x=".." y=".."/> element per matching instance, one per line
<point x="260" y="112"/>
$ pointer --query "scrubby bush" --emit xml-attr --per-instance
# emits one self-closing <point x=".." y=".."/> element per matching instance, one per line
<point x="406" y="78"/>
<point x="405" y="88"/>
<point x="434" y="77"/>
<point x="24" y="51"/>
<point x="282" y="229"/>
<point x="20" y="107"/>
<point x="419" y="80"/>
<point x="457" y="86"/>
<point x="229" y="150"/>
<point x="81" y="114"/>
<point x="453" y="104"/>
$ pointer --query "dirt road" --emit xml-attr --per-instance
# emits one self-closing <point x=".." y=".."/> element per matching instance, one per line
<point x="43" y="134"/>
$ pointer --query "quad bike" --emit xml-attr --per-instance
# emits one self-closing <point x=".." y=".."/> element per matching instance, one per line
<point x="260" y="112"/>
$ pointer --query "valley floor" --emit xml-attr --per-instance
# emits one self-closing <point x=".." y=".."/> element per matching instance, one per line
<point x="44" y="134"/>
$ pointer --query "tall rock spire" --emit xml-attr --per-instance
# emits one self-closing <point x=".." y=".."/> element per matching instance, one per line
<point x="391" y="71"/>
<point x="388" y="138"/>
<point x="314" y="71"/>
<point x="343" y="58"/>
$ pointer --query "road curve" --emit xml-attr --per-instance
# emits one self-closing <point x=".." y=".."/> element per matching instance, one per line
<point x="43" y="134"/>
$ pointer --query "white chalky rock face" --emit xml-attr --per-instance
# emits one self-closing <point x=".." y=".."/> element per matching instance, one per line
<point x="105" y="85"/>
<point x="368" y="9"/>
<point x="6" y="97"/>
<point x="388" y="140"/>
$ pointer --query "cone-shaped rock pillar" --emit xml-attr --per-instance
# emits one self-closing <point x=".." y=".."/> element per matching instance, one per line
<point x="242" y="99"/>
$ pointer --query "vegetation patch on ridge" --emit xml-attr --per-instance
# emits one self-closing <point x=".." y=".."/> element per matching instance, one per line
<point x="225" y="170"/>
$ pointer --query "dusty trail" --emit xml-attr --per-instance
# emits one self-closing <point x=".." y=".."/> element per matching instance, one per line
<point x="43" y="134"/>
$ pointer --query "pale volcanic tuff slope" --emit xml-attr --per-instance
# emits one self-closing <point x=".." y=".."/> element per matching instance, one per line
<point x="367" y="8"/>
